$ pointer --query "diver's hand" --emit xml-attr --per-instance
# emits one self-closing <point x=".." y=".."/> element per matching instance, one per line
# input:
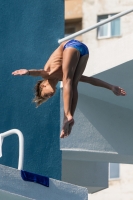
<point x="21" y="72"/>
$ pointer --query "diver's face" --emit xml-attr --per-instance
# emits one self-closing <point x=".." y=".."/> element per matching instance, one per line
<point x="47" y="90"/>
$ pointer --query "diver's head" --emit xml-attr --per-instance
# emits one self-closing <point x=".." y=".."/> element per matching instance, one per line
<point x="44" y="89"/>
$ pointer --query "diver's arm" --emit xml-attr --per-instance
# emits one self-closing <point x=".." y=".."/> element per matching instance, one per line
<point x="31" y="72"/>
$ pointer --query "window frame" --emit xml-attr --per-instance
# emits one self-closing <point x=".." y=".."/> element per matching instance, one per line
<point x="109" y="28"/>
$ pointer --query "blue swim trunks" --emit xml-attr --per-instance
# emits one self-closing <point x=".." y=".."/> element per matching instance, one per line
<point x="82" y="48"/>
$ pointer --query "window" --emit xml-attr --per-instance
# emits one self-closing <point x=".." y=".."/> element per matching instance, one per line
<point x="69" y="30"/>
<point x="111" y="29"/>
<point x="114" y="171"/>
<point x="72" y="26"/>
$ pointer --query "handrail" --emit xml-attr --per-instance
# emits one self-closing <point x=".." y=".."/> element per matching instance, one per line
<point x="21" y="145"/>
<point x="95" y="26"/>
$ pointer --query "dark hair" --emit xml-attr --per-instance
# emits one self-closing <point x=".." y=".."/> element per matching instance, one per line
<point x="38" y="99"/>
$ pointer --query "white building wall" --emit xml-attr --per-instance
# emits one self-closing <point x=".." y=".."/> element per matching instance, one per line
<point x="110" y="55"/>
<point x="120" y="189"/>
<point x="93" y="8"/>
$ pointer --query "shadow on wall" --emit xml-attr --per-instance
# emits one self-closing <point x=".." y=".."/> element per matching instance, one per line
<point x="121" y="75"/>
<point x="113" y="123"/>
<point x="101" y="126"/>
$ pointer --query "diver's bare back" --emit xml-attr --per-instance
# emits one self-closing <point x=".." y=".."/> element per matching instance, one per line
<point x="54" y="63"/>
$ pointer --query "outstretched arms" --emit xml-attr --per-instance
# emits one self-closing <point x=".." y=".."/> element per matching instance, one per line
<point x="97" y="82"/>
<point x="31" y="72"/>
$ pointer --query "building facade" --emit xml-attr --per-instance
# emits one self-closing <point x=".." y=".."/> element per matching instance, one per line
<point x="93" y="11"/>
<point x="73" y="17"/>
<point x="97" y="10"/>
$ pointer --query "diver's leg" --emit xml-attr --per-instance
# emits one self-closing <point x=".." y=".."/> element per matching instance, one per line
<point x="78" y="73"/>
<point x="70" y="61"/>
<point x="118" y="91"/>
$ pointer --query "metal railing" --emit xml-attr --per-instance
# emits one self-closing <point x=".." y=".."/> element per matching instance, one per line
<point x="95" y="26"/>
<point x="21" y="145"/>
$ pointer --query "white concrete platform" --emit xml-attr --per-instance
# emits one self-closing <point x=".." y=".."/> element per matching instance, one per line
<point x="12" y="187"/>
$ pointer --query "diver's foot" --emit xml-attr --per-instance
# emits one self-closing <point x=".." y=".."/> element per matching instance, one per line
<point x="118" y="91"/>
<point x="70" y="127"/>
